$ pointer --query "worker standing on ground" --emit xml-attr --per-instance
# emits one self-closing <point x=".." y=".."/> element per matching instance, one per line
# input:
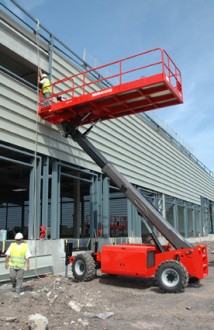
<point x="17" y="255"/>
<point x="45" y="85"/>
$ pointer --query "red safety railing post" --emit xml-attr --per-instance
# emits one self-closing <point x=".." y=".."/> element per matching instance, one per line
<point x="163" y="61"/>
<point x="83" y="84"/>
<point x="120" y="72"/>
<point x="169" y="68"/>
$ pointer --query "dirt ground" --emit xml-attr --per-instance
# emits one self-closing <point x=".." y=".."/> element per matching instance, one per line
<point x="109" y="303"/>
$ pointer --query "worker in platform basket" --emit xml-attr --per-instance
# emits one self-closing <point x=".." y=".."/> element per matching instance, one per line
<point x="17" y="255"/>
<point x="45" y="85"/>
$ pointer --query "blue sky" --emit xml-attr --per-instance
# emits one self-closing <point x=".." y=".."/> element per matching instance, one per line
<point x="114" y="29"/>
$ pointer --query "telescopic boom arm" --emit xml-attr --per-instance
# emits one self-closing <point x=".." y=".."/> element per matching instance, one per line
<point x="140" y="202"/>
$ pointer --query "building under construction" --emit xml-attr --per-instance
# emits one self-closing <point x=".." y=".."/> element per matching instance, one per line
<point x="50" y="189"/>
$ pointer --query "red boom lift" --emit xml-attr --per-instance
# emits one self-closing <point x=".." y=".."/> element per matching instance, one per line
<point x="135" y="84"/>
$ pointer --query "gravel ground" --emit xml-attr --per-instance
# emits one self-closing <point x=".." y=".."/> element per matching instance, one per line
<point x="109" y="303"/>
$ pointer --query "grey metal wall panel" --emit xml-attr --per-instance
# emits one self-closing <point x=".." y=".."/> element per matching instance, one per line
<point x="62" y="68"/>
<point x="150" y="160"/>
<point x="140" y="151"/>
<point x="144" y="156"/>
<point x="22" y="42"/>
<point x="18" y="125"/>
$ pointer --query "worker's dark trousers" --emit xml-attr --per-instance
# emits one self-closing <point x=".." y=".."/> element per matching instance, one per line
<point x="16" y="276"/>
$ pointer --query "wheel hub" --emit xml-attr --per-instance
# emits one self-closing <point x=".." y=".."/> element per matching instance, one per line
<point x="79" y="267"/>
<point x="170" y="277"/>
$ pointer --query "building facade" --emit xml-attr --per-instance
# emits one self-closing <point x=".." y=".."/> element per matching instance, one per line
<point x="48" y="182"/>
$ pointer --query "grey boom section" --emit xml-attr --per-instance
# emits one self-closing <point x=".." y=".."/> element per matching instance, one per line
<point x="140" y="202"/>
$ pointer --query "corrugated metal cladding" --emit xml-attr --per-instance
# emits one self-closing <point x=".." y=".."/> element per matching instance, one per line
<point x="147" y="159"/>
<point x="145" y="156"/>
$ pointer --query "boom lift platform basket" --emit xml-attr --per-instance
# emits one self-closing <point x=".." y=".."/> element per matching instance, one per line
<point x="139" y="83"/>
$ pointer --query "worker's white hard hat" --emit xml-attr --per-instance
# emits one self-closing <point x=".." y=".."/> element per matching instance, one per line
<point x="44" y="75"/>
<point x="19" y="236"/>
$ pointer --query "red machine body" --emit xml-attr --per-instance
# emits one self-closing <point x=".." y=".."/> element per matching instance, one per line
<point x="142" y="260"/>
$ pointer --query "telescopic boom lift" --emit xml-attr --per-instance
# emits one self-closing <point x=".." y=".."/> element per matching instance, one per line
<point x="172" y="265"/>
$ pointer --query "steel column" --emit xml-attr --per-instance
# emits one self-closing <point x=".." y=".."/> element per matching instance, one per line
<point x="34" y="199"/>
<point x="129" y="218"/>
<point x="93" y="213"/>
<point x="99" y="206"/>
<point x="45" y="185"/>
<point x="186" y="220"/>
<point x="106" y="212"/>
<point x="31" y="204"/>
<point x="55" y="200"/>
<point x="77" y="214"/>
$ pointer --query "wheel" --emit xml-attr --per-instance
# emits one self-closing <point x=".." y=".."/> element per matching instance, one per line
<point x="172" y="276"/>
<point x="194" y="280"/>
<point x="83" y="267"/>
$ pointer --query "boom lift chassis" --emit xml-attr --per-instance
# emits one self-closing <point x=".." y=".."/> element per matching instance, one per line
<point x="172" y="265"/>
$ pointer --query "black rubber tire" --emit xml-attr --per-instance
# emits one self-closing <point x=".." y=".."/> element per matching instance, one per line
<point x="172" y="276"/>
<point x="194" y="280"/>
<point x="83" y="267"/>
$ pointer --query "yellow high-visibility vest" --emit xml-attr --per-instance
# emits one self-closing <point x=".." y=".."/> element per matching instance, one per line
<point x="46" y="88"/>
<point x="17" y="255"/>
